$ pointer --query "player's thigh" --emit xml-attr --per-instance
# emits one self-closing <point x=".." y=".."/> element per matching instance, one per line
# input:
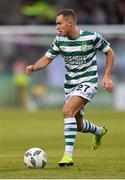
<point x="74" y="104"/>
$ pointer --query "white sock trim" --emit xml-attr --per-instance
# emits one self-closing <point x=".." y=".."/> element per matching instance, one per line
<point x="69" y="120"/>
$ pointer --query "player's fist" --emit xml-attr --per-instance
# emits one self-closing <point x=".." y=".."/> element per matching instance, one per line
<point x="29" y="70"/>
<point x="108" y="84"/>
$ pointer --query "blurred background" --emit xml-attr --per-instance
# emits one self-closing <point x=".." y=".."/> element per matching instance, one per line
<point x="26" y="29"/>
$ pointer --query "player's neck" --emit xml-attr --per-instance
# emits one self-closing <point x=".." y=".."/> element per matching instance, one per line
<point x="74" y="34"/>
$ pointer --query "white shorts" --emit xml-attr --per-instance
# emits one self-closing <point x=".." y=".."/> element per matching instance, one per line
<point x="85" y="90"/>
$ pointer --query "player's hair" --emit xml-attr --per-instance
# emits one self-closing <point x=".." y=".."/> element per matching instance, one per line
<point x="69" y="13"/>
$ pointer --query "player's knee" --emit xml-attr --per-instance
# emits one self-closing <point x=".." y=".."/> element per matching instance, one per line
<point x="79" y="128"/>
<point x="68" y="112"/>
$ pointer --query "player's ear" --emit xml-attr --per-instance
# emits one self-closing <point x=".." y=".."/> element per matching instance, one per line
<point x="70" y="23"/>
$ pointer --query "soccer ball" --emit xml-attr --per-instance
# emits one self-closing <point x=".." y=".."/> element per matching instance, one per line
<point x="35" y="158"/>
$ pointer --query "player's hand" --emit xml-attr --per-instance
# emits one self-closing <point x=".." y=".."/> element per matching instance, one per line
<point x="108" y="84"/>
<point x="29" y="70"/>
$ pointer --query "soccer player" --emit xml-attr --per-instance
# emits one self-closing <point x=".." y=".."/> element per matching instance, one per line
<point x="78" y="47"/>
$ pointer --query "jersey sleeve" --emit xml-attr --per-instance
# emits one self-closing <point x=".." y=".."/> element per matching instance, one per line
<point x="100" y="43"/>
<point x="53" y="50"/>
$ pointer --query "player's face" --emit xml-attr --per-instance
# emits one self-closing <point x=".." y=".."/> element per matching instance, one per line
<point x="63" y="25"/>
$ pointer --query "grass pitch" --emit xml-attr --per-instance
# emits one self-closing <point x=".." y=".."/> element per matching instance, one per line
<point x="21" y="130"/>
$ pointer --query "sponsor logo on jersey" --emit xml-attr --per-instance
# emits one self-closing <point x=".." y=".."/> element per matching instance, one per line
<point x="75" y="60"/>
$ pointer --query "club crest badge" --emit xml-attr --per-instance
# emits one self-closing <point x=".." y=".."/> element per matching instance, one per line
<point x="84" y="47"/>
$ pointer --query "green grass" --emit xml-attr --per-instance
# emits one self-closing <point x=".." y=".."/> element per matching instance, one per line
<point x="21" y="130"/>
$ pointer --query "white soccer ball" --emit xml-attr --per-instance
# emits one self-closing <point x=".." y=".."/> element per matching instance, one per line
<point x="35" y="158"/>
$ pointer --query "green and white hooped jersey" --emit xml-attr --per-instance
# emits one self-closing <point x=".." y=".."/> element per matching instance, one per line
<point x="80" y="57"/>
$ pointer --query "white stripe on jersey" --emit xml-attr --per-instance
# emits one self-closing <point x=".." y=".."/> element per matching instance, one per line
<point x="81" y="38"/>
<point x="92" y="68"/>
<point x="74" y="48"/>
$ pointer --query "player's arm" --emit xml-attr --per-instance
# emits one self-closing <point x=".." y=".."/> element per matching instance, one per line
<point x="42" y="63"/>
<point x="107" y="83"/>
